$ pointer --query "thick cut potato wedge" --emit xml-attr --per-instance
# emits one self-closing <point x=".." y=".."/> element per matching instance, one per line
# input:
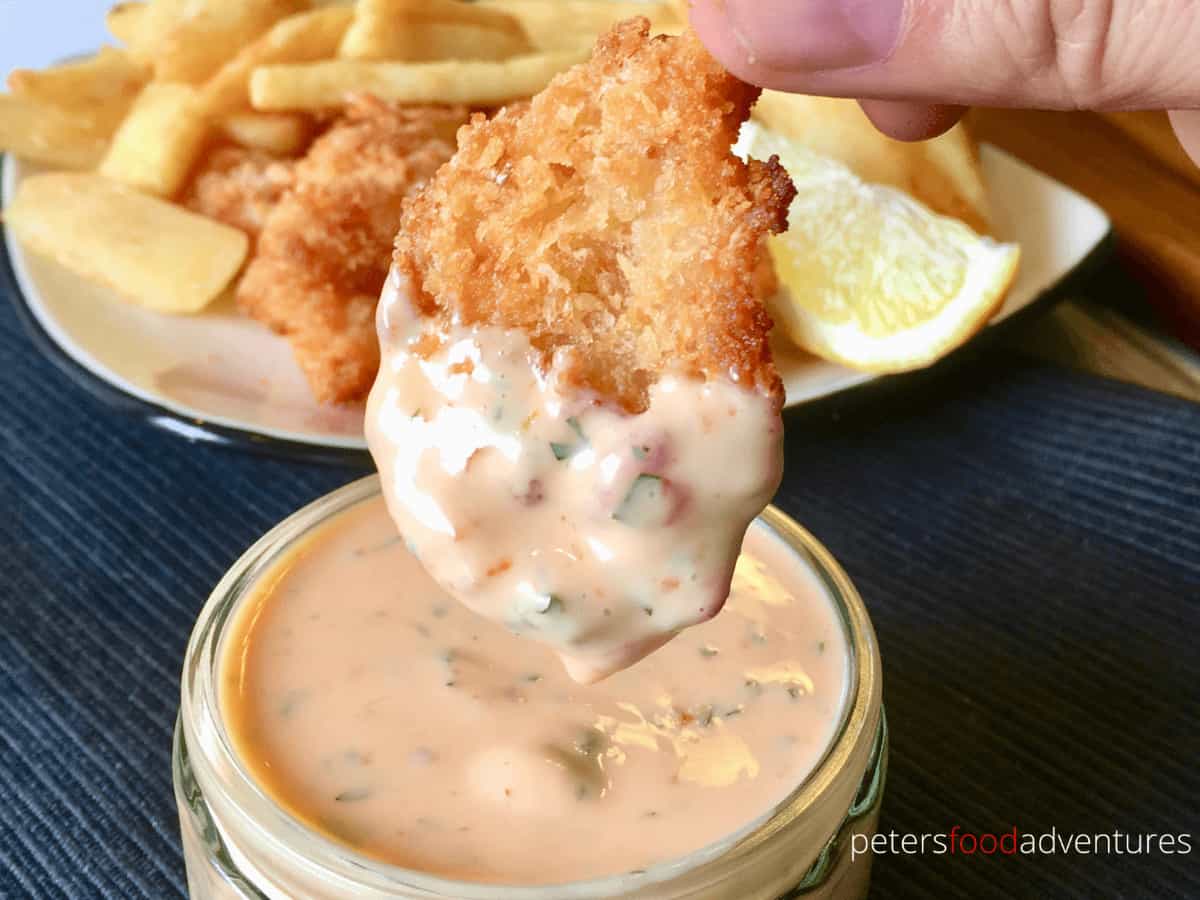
<point x="159" y="141"/>
<point x="151" y="253"/>
<point x="44" y="134"/>
<point x="97" y="91"/>
<point x="474" y="83"/>
<point x="64" y="115"/>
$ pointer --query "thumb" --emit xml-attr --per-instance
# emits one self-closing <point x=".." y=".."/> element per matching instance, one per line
<point x="1054" y="54"/>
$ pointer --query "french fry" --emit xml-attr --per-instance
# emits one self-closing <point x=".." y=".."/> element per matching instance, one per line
<point x="96" y="92"/>
<point x="428" y="30"/>
<point x="151" y="253"/>
<point x="281" y="134"/>
<point x="207" y="35"/>
<point x="141" y="27"/>
<point x="306" y="37"/>
<point x="566" y="24"/>
<point x="327" y="84"/>
<point x="125" y="22"/>
<point x="431" y="41"/>
<point x="450" y="12"/>
<point x="47" y="135"/>
<point x="95" y="79"/>
<point x="159" y="140"/>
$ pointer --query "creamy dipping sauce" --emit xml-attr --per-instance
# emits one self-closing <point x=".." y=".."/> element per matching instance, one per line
<point x="599" y="533"/>
<point x="376" y="709"/>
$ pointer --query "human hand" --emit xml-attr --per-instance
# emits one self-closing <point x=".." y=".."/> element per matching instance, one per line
<point x="916" y="64"/>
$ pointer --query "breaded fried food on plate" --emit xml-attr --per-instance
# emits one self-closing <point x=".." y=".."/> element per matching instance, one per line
<point x="239" y="187"/>
<point x="607" y="219"/>
<point x="323" y="251"/>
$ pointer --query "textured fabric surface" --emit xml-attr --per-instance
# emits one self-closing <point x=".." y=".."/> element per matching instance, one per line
<point x="1028" y="543"/>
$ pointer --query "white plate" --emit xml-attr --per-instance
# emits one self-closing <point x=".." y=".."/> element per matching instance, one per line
<point x="222" y="376"/>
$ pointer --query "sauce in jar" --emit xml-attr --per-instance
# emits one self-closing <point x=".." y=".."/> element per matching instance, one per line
<point x="378" y="711"/>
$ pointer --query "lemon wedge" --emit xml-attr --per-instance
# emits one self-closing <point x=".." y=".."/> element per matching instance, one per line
<point x="872" y="278"/>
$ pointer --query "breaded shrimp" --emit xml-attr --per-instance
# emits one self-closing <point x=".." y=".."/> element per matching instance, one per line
<point x="577" y="414"/>
<point x="608" y="220"/>
<point x="323" y="252"/>
<point x="239" y="187"/>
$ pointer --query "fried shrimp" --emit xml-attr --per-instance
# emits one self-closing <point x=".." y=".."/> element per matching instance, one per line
<point x="323" y="251"/>
<point x="577" y="415"/>
<point x="239" y="187"/>
<point x="608" y="221"/>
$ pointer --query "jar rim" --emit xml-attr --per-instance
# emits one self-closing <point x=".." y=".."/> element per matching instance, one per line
<point x="212" y="750"/>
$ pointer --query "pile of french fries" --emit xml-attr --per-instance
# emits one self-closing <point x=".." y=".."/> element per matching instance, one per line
<point x="131" y="124"/>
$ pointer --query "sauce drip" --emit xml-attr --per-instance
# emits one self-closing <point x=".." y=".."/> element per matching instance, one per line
<point x="599" y="533"/>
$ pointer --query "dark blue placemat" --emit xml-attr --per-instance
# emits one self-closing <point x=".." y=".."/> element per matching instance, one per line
<point x="1028" y="542"/>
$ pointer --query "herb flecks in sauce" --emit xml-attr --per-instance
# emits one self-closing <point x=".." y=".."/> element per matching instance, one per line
<point x="647" y="504"/>
<point x="382" y="545"/>
<point x="581" y="761"/>
<point x="590" y="743"/>
<point x="292" y="701"/>
<point x="564" y="450"/>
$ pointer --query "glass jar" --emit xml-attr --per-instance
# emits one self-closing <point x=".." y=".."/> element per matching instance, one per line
<point x="240" y="843"/>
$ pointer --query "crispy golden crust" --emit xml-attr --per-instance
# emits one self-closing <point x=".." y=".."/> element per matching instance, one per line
<point x="323" y="254"/>
<point x="608" y="220"/>
<point x="239" y="187"/>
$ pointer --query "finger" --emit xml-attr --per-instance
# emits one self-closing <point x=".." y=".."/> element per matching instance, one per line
<point x="911" y="121"/>
<point x="1058" y="54"/>
<point x="1186" y="123"/>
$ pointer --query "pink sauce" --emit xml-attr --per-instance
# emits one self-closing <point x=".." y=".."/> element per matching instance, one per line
<point x="376" y="709"/>
<point x="599" y="533"/>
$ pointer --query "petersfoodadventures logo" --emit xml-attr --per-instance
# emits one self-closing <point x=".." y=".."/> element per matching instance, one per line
<point x="959" y="842"/>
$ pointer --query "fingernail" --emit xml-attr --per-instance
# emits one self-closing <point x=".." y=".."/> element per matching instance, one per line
<point x="1186" y="123"/>
<point x="811" y="35"/>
